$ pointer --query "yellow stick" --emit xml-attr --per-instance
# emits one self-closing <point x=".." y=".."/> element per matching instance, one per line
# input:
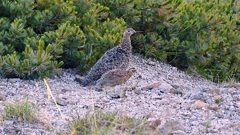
<point x="50" y="93"/>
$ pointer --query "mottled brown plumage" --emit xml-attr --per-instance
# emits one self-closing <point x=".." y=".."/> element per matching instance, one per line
<point x="115" y="58"/>
<point x="115" y="77"/>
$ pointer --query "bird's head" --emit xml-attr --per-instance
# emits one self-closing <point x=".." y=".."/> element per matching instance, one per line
<point x="132" y="70"/>
<point x="129" y="32"/>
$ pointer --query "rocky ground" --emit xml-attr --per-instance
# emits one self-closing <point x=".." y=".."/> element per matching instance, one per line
<point x="185" y="104"/>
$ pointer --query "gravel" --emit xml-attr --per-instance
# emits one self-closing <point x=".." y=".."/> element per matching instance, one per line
<point x="146" y="95"/>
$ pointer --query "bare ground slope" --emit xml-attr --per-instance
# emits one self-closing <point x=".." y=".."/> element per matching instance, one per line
<point x="182" y="102"/>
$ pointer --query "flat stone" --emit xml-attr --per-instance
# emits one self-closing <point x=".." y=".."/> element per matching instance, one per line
<point x="2" y="97"/>
<point x="238" y="104"/>
<point x="9" y="93"/>
<point x="117" y="93"/>
<point x="199" y="104"/>
<point x="8" y="122"/>
<point x="214" y="107"/>
<point x="137" y="91"/>
<point x="152" y="86"/>
<point x="178" y="132"/>
<point x="169" y="126"/>
<point x="154" y="124"/>
<point x="79" y="78"/>
<point x="13" y="80"/>
<point x="151" y="63"/>
<point x="61" y="101"/>
<point x="175" y="86"/>
<point x="175" y="91"/>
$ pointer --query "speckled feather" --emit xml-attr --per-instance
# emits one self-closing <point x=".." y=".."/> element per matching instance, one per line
<point x="115" y="77"/>
<point x="115" y="58"/>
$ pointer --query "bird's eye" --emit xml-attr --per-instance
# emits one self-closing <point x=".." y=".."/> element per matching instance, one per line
<point x="128" y="31"/>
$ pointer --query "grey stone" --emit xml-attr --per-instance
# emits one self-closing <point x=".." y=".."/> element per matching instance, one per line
<point x="170" y="126"/>
<point x="9" y="93"/>
<point x="61" y="101"/>
<point x="13" y="80"/>
<point x="8" y="123"/>
<point x="178" y="132"/>
<point x="232" y="108"/>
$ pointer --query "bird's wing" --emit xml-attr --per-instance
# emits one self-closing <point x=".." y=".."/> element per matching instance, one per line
<point x="112" y="59"/>
<point x="113" y="74"/>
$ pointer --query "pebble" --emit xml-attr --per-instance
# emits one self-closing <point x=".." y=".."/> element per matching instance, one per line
<point x="200" y="104"/>
<point x="170" y="126"/>
<point x="8" y="123"/>
<point x="151" y="63"/>
<point x="232" y="108"/>
<point x="238" y="104"/>
<point x="13" y="80"/>
<point x="2" y="97"/>
<point x="214" y="107"/>
<point x="61" y="101"/>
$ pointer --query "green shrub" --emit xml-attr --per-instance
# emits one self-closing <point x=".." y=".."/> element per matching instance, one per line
<point x="36" y="37"/>
<point x="196" y="35"/>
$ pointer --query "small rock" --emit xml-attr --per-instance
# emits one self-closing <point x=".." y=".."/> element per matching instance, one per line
<point x="2" y="97"/>
<point x="215" y="92"/>
<point x="61" y="102"/>
<point x="154" y="124"/>
<point x="9" y="93"/>
<point x="64" y="90"/>
<point x="164" y="102"/>
<point x="59" y="72"/>
<point x="8" y="123"/>
<point x="232" y="108"/>
<point x="151" y="63"/>
<point x="20" y="119"/>
<point x="97" y="88"/>
<point x="169" y="126"/>
<point x="174" y="91"/>
<point x="199" y="104"/>
<point x="161" y="85"/>
<point x="79" y="78"/>
<point x="197" y="96"/>
<point x="13" y="80"/>
<point x="214" y="107"/>
<point x="33" y="133"/>
<point x="238" y="104"/>
<point x="152" y="86"/>
<point x="175" y="86"/>
<point x="137" y="91"/>
<point x="117" y="93"/>
<point x="178" y="132"/>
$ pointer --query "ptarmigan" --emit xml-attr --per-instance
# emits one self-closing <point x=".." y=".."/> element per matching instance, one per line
<point x="115" y="77"/>
<point x="115" y="58"/>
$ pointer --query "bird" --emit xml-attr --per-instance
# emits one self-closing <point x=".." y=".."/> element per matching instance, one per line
<point x="115" y="58"/>
<point x="115" y="77"/>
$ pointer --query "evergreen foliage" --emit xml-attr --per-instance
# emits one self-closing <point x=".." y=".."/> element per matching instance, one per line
<point x="198" y="36"/>
<point x="36" y="37"/>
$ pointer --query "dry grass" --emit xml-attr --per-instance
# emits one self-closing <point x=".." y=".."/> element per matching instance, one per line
<point x="21" y="111"/>
<point x="110" y="123"/>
